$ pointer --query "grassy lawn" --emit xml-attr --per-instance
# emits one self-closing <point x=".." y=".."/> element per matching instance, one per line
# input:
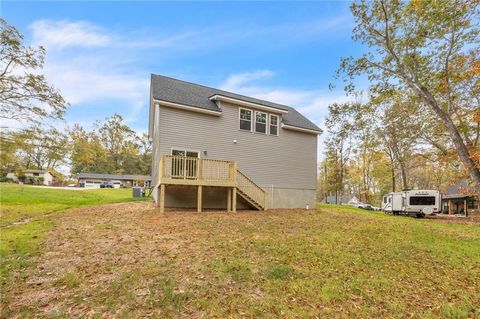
<point x="127" y="260"/>
<point x="26" y="213"/>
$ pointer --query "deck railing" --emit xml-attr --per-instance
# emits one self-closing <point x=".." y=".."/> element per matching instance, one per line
<point x="180" y="170"/>
<point x="194" y="168"/>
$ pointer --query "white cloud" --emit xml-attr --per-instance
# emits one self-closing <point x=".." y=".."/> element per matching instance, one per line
<point x="312" y="103"/>
<point x="105" y="65"/>
<point x="64" y="33"/>
<point x="235" y="81"/>
<point x="83" y="85"/>
<point x="93" y="73"/>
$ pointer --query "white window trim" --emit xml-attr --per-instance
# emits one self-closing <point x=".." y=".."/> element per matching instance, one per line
<point x="266" y="122"/>
<point x="252" y="114"/>
<point x="184" y="150"/>
<point x="269" y="124"/>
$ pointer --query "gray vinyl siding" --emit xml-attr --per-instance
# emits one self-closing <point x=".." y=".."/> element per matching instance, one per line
<point x="286" y="161"/>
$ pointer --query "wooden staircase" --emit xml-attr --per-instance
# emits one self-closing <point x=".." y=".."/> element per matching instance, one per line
<point x="251" y="192"/>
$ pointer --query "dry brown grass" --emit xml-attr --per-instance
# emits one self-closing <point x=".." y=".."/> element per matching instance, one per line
<point x="127" y="260"/>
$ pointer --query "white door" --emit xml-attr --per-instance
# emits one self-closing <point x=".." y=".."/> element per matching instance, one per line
<point x="185" y="164"/>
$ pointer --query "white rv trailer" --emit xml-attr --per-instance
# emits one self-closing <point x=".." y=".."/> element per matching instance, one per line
<point x="418" y="202"/>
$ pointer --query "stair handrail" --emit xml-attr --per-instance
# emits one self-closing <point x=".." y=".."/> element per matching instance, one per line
<point x="251" y="189"/>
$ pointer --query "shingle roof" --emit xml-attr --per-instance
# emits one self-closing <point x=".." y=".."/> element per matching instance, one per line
<point x="461" y="187"/>
<point x="114" y="176"/>
<point x="181" y="92"/>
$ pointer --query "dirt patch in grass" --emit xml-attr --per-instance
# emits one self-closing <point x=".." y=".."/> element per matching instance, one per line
<point x="127" y="260"/>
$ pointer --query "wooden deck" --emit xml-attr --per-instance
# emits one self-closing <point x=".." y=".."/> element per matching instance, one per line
<point x="199" y="172"/>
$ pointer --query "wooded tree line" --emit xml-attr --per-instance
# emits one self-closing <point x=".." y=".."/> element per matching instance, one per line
<point x="420" y="124"/>
<point x="111" y="147"/>
<point x="26" y="97"/>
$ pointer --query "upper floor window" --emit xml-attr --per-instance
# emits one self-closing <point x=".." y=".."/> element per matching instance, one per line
<point x="245" y="119"/>
<point x="260" y="122"/>
<point x="273" y="124"/>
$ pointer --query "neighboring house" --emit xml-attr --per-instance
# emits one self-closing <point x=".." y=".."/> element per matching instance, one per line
<point x="341" y="199"/>
<point x="91" y="180"/>
<point x="225" y="147"/>
<point x="12" y="176"/>
<point x="38" y="173"/>
<point x="460" y="199"/>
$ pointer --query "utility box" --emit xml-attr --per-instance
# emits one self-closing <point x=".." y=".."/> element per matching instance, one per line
<point x="138" y="192"/>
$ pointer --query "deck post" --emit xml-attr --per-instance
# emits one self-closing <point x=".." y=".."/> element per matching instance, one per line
<point x="234" y="173"/>
<point x="162" y="198"/>
<point x="199" y="169"/>
<point x="199" y="199"/>
<point x="160" y="169"/>
<point x="234" y="200"/>
<point x="229" y="200"/>
<point x="465" y="207"/>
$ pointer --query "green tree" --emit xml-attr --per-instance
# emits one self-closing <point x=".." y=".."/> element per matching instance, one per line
<point x="41" y="148"/>
<point x="429" y="48"/>
<point x="119" y="141"/>
<point x="25" y="95"/>
<point x="111" y="148"/>
<point x="87" y="153"/>
<point x="9" y="160"/>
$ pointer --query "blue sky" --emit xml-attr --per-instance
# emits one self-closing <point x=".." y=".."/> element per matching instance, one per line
<point x="101" y="54"/>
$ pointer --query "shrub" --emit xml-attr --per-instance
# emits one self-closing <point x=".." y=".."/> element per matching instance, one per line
<point x="5" y="179"/>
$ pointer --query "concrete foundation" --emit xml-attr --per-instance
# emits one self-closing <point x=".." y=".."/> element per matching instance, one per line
<point x="291" y="198"/>
<point x="216" y="198"/>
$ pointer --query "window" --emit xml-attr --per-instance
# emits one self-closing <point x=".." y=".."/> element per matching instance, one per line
<point x="273" y="124"/>
<point x="261" y="122"/>
<point x="258" y="122"/>
<point x="422" y="200"/>
<point x="36" y="174"/>
<point x="472" y="204"/>
<point x="245" y="120"/>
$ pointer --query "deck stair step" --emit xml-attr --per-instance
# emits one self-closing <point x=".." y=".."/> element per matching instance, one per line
<point x="250" y="191"/>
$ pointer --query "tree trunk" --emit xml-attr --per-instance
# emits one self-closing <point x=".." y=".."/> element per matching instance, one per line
<point x="389" y="152"/>
<point x="457" y="139"/>
<point x="393" y="178"/>
<point x="403" y="172"/>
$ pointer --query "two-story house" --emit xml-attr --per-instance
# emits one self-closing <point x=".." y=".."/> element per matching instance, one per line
<point x="217" y="149"/>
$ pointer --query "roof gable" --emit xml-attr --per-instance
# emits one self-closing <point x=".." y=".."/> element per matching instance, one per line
<point x="194" y="95"/>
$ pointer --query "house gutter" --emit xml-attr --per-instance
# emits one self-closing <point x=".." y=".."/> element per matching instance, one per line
<point x="186" y="107"/>
<point x="257" y="106"/>
<point x="301" y="129"/>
